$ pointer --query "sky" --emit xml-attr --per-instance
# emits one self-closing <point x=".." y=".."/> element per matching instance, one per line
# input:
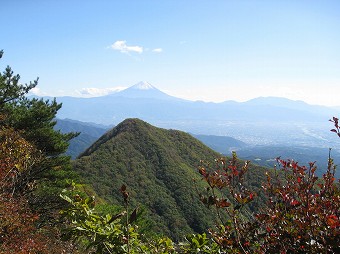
<point x="212" y="50"/>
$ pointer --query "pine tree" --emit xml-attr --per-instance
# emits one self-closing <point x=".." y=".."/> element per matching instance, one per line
<point x="33" y="167"/>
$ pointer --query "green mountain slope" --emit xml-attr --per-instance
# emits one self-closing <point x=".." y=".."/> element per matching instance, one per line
<point x="89" y="133"/>
<point x="158" y="166"/>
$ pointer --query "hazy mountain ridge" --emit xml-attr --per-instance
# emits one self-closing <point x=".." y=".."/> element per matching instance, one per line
<point x="155" y="106"/>
<point x="263" y="155"/>
<point x="260" y="123"/>
<point x="89" y="133"/>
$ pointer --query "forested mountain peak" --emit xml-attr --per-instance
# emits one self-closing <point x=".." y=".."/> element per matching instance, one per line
<point x="128" y="125"/>
<point x="158" y="166"/>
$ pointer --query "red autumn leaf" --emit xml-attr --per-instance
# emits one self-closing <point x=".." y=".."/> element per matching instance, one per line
<point x="223" y="203"/>
<point x="295" y="203"/>
<point x="332" y="221"/>
<point x="235" y="172"/>
<point x="251" y="196"/>
<point x="313" y="170"/>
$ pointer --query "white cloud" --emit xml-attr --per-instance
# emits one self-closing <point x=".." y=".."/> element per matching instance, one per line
<point x="157" y="50"/>
<point x="96" y="92"/>
<point x="122" y="47"/>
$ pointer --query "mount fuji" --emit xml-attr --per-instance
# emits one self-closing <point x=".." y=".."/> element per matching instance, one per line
<point x="148" y="103"/>
<point x="143" y="90"/>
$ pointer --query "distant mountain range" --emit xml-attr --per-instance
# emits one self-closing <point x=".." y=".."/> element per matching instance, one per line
<point x="261" y="121"/>
<point x="267" y="124"/>
<point x="88" y="134"/>
<point x="150" y="104"/>
<point x="263" y="155"/>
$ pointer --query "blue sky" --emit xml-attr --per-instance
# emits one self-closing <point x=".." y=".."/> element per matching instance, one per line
<point x="200" y="50"/>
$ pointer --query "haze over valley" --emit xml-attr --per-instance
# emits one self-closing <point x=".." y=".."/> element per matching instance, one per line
<point x="265" y="127"/>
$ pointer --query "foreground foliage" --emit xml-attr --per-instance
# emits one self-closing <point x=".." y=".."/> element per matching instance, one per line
<point x="99" y="233"/>
<point x="301" y="214"/>
<point x="31" y="170"/>
<point x="16" y="218"/>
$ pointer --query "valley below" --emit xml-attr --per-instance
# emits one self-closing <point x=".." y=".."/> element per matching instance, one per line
<point x="263" y="128"/>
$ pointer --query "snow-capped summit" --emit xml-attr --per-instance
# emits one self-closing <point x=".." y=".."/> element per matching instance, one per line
<point x="143" y="85"/>
<point x="143" y="90"/>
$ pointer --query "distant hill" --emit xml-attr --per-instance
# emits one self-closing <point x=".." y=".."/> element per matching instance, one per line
<point x="158" y="166"/>
<point x="89" y="133"/>
<point x="266" y="156"/>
